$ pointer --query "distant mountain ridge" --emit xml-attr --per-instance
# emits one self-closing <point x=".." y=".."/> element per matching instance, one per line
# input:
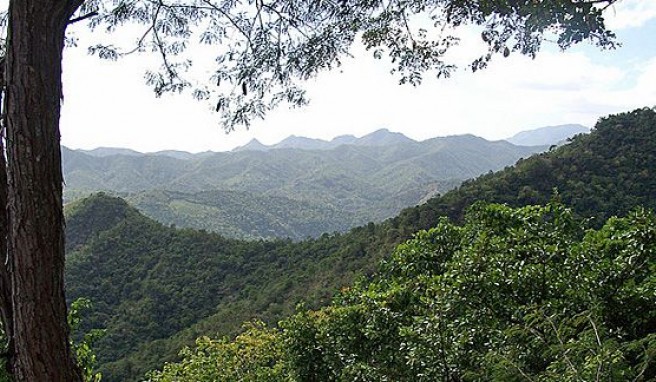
<point x="156" y="288"/>
<point x="381" y="137"/>
<point x="543" y="136"/>
<point x="371" y="179"/>
<point x="252" y="145"/>
<point x="109" y="151"/>
<point x="300" y="187"/>
<point x="548" y="135"/>
<point x="101" y="152"/>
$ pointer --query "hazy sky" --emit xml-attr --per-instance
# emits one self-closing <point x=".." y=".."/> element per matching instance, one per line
<point x="107" y="103"/>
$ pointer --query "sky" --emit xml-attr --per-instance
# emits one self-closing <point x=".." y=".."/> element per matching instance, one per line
<point x="107" y="104"/>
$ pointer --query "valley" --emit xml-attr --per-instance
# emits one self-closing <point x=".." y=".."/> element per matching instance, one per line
<point x="296" y="189"/>
<point x="339" y="191"/>
<point x="156" y="288"/>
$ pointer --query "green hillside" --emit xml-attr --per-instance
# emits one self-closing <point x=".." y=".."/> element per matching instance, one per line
<point x="522" y="294"/>
<point x="242" y="214"/>
<point x="149" y="282"/>
<point x="602" y="174"/>
<point x="248" y="194"/>
<point x="156" y="288"/>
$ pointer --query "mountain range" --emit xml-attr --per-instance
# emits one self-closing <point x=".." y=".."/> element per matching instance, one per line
<point x="543" y="136"/>
<point x="382" y="137"/>
<point x="295" y="189"/>
<point x="156" y="288"/>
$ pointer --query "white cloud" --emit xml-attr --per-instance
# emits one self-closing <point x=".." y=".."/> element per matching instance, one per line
<point x="107" y="104"/>
<point x="566" y="72"/>
<point x="646" y="82"/>
<point x="630" y="14"/>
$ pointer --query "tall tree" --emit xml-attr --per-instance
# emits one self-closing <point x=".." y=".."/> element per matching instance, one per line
<point x="35" y="313"/>
<point x="266" y="48"/>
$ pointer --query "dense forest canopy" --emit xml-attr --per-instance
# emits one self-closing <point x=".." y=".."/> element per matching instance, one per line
<point x="155" y="288"/>
<point x="599" y="175"/>
<point x="512" y="295"/>
<point x="265" y="50"/>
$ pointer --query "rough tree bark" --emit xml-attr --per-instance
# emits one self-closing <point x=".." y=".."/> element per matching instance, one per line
<point x="5" y="283"/>
<point x="34" y="275"/>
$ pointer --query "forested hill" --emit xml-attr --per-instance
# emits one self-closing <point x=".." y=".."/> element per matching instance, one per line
<point x="605" y="173"/>
<point x="250" y="194"/>
<point x="149" y="282"/>
<point x="156" y="288"/>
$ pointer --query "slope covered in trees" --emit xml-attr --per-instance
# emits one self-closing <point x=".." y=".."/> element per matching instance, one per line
<point x="247" y="194"/>
<point x="149" y="282"/>
<point x="240" y="214"/>
<point x="283" y="49"/>
<point x="601" y="174"/>
<point x="512" y="295"/>
<point x="156" y="288"/>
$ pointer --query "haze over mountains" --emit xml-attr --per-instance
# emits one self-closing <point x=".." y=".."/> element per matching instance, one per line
<point x="297" y="188"/>
<point x="548" y="135"/>
<point x="382" y="137"/>
<point x="544" y="136"/>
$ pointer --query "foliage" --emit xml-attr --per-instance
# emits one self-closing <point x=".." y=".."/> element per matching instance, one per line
<point x="512" y="295"/>
<point x="263" y="50"/>
<point x="267" y="47"/>
<point x="255" y="355"/>
<point x="150" y="282"/>
<point x="605" y="173"/>
<point x="101" y="215"/>
<point x="83" y="343"/>
<point x="156" y="289"/>
<point x="4" y="373"/>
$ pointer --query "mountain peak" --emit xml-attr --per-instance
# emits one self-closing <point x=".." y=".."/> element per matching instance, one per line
<point x="252" y="145"/>
<point x="344" y="140"/>
<point x="96" y="213"/>
<point x="303" y="143"/>
<point x="108" y="151"/>
<point x="383" y="137"/>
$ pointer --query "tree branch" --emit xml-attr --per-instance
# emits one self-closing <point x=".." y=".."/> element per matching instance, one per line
<point x="83" y="17"/>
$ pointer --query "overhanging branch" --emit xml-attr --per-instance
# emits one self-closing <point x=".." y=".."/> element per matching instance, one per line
<point x="83" y="17"/>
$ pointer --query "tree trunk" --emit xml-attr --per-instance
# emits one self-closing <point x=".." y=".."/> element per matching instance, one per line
<point x="36" y="224"/>
<point x="5" y="280"/>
